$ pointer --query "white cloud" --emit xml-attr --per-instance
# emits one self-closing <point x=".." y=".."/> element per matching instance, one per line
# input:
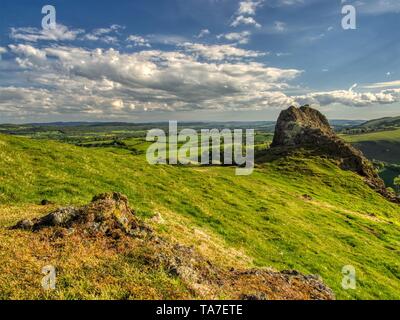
<point x="350" y="98"/>
<point x="107" y="83"/>
<point x="167" y="39"/>
<point x="239" y="20"/>
<point x="118" y="104"/>
<point x="107" y="35"/>
<point x="192" y="76"/>
<point x="246" y="10"/>
<point x="138" y="41"/>
<point x="60" y="33"/>
<point x="203" y="33"/>
<point x="389" y="84"/>
<point x="28" y="56"/>
<point x="248" y="7"/>
<point x="239" y="37"/>
<point x="221" y="52"/>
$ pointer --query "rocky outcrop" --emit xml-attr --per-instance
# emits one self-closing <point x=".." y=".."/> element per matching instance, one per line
<point x="309" y="129"/>
<point x="107" y="214"/>
<point x="109" y="218"/>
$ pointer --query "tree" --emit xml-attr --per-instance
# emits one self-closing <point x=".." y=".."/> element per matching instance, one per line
<point x="396" y="183"/>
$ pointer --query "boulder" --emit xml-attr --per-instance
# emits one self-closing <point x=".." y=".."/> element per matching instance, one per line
<point x="107" y="213"/>
<point x="307" y="128"/>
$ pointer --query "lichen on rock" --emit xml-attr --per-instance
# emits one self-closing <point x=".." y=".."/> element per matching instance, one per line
<point x="107" y="213"/>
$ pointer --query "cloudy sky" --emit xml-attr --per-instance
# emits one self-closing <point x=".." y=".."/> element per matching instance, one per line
<point x="150" y="60"/>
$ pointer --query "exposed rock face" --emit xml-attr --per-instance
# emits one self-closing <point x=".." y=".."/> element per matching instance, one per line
<point x="307" y="128"/>
<point x="109" y="216"/>
<point x="108" y="213"/>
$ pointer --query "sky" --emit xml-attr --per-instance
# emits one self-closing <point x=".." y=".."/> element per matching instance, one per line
<point x="197" y="60"/>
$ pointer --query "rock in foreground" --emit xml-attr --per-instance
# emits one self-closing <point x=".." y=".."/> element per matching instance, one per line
<point x="109" y="220"/>
<point x="108" y="213"/>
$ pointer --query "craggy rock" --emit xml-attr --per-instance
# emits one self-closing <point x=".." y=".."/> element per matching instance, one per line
<point x="266" y="284"/>
<point x="307" y="128"/>
<point x="209" y="281"/>
<point x="109" y="216"/>
<point x="108" y="213"/>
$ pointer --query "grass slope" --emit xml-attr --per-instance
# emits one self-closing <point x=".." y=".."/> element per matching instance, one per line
<point x="259" y="220"/>
<point x="382" y="145"/>
<point x="382" y="123"/>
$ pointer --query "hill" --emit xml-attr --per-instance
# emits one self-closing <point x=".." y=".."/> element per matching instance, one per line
<point x="382" y="145"/>
<point x="387" y="123"/>
<point x="295" y="212"/>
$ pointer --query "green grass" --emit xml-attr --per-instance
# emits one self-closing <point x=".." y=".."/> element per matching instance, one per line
<point x="264" y="215"/>
<point x="393" y="135"/>
<point x="382" y="145"/>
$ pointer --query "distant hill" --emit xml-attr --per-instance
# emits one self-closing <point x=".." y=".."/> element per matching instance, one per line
<point x="379" y="140"/>
<point x="380" y="145"/>
<point x="46" y="129"/>
<point x="382" y="123"/>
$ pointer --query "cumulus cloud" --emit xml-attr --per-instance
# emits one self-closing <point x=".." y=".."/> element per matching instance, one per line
<point x="350" y="98"/>
<point x="248" y="7"/>
<point x="59" y="33"/>
<point x="102" y="83"/>
<point x="239" y="20"/>
<point x="221" y="52"/>
<point x="246" y="11"/>
<point x="238" y="37"/>
<point x="107" y="35"/>
<point x="28" y="56"/>
<point x="138" y="41"/>
<point x="203" y="33"/>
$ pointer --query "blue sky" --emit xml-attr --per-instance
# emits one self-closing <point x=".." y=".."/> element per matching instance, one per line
<point x="197" y="60"/>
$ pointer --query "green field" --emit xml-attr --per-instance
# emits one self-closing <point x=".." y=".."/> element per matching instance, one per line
<point x="391" y="135"/>
<point x="383" y="146"/>
<point x="293" y="213"/>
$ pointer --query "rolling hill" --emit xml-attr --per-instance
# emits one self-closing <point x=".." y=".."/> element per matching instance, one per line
<point x="381" y="124"/>
<point x="295" y="212"/>
<point x="381" y="145"/>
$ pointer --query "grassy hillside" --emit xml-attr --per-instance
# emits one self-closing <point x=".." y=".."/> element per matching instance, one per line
<point x="382" y="123"/>
<point x="382" y="145"/>
<point x="295" y="213"/>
